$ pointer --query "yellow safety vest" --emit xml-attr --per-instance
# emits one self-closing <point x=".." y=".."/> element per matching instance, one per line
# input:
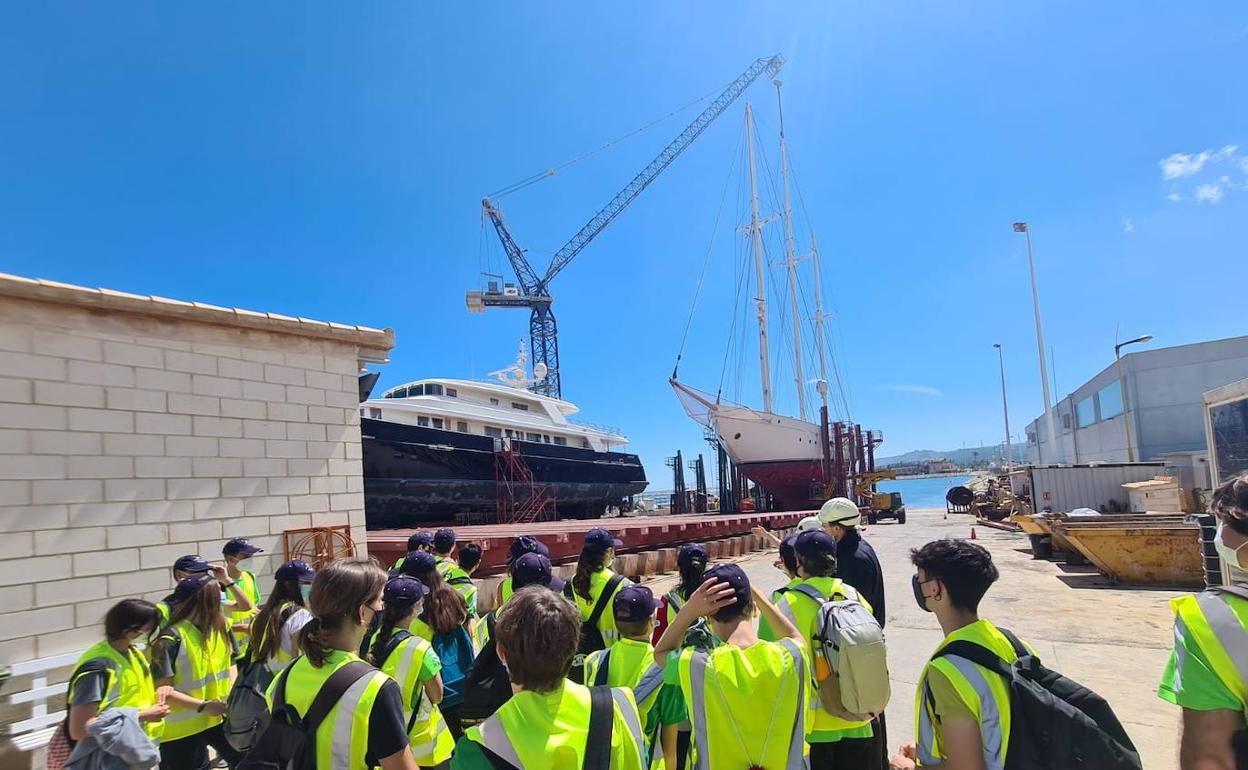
<point x="985" y="691"/>
<point x="630" y="664"/>
<point x="430" y="738"/>
<point x="548" y="730"/>
<point x="1218" y="623"/>
<point x="505" y="591"/>
<point x="597" y="582"/>
<point x="247" y="584"/>
<point x="443" y="565"/>
<point x="747" y="706"/>
<point x="201" y="670"/>
<point x="462" y="583"/>
<point x="803" y="612"/>
<point x="129" y="682"/>
<point x="342" y="738"/>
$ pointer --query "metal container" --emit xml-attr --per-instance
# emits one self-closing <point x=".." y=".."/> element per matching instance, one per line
<point x="1067" y="487"/>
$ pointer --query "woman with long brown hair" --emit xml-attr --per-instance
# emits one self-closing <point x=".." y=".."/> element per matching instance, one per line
<point x="365" y="727"/>
<point x="194" y="654"/>
<point x="275" y="630"/>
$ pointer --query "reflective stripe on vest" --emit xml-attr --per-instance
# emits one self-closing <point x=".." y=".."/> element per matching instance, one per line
<point x="796" y="759"/>
<point x="343" y="717"/>
<point x="429" y="736"/>
<point x="988" y="711"/>
<point x="1209" y="620"/>
<point x="494" y="737"/>
<point x="630" y="718"/>
<point x="650" y="683"/>
<point x="342" y="738"/>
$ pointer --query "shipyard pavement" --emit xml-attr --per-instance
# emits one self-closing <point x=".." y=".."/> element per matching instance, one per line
<point x="1113" y="640"/>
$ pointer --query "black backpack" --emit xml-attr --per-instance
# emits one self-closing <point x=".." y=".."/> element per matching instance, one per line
<point x="591" y="636"/>
<point x="289" y="742"/>
<point x="1055" y="723"/>
<point x="488" y="686"/>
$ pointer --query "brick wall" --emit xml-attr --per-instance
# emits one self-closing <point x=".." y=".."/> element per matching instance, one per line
<point x="127" y="440"/>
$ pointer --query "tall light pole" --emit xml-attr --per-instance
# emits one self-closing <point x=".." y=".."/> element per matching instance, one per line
<point x="1122" y="390"/>
<point x="1005" y="407"/>
<point x="1021" y="227"/>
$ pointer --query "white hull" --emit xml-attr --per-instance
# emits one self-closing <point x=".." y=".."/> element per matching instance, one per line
<point x="752" y="435"/>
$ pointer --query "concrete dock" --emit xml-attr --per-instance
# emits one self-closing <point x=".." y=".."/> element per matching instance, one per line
<point x="1113" y="640"/>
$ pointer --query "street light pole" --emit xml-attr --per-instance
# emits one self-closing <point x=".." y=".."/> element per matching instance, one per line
<point x="1021" y="227"/>
<point x="1005" y="407"/>
<point x="1122" y="391"/>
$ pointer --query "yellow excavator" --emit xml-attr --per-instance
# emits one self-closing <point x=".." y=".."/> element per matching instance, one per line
<point x="880" y="505"/>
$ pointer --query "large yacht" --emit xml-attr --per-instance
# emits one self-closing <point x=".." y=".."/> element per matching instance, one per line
<point x="439" y="449"/>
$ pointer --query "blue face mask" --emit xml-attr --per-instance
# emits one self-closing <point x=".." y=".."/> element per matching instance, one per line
<point x="305" y="590"/>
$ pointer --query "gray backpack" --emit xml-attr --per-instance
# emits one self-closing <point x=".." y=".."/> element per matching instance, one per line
<point x="850" y="658"/>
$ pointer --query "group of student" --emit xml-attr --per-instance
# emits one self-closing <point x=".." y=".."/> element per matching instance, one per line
<point x="595" y="672"/>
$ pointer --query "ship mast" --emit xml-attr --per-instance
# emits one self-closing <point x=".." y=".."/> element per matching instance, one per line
<point x="756" y="232"/>
<point x="790" y="262"/>
<point x="822" y="387"/>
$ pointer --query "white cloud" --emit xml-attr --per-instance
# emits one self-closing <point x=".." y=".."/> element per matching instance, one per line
<point x="1181" y="164"/>
<point x="1174" y="196"/>
<point x="1209" y="193"/>
<point x="921" y="390"/>
<point x="1127" y="225"/>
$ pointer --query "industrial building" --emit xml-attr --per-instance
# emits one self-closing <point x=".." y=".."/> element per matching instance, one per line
<point x="1165" y="408"/>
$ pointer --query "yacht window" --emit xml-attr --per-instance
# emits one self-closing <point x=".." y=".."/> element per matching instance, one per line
<point x="437" y="422"/>
<point x="422" y="421"/>
<point x="532" y="437"/>
<point x="508" y="432"/>
<point x="361" y="412"/>
<point x="451" y="392"/>
<point x="490" y="430"/>
<point x="518" y="405"/>
<point x="374" y="413"/>
<point x="433" y="390"/>
<point x="416" y="390"/>
<point x="494" y="402"/>
<point x="585" y="443"/>
<point x="461" y="426"/>
<point x="545" y="439"/>
<point x="560" y="441"/>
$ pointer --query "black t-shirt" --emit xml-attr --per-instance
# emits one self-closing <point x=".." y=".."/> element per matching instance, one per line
<point x="387" y="732"/>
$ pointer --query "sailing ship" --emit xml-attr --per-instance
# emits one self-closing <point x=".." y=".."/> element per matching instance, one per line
<point x="785" y="456"/>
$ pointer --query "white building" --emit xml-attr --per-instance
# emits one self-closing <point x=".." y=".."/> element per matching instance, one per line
<point x="1165" y="389"/>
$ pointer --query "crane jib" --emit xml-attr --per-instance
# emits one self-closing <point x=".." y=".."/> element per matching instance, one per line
<point x="544" y="343"/>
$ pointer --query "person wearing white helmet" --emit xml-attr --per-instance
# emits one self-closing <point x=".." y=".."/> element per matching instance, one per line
<point x="809" y="523"/>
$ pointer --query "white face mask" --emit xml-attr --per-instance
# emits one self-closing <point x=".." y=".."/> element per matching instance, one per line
<point x="1225" y="552"/>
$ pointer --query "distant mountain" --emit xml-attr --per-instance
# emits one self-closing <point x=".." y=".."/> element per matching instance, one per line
<point x="967" y="456"/>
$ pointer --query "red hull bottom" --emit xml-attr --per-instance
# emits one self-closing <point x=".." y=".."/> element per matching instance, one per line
<point x="793" y="484"/>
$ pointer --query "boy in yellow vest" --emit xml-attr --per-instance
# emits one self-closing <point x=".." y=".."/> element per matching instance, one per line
<point x="963" y="709"/>
<point x="629" y="662"/>
<point x="834" y="742"/>
<point x="1210" y="637"/>
<point x="237" y="553"/>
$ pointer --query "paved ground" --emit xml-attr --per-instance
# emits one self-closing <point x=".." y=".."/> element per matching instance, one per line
<point x="1113" y="640"/>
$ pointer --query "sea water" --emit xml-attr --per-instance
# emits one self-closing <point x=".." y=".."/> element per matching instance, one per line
<point x="925" y="492"/>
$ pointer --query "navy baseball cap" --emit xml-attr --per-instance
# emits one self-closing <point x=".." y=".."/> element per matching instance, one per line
<point x="188" y="587"/>
<point x="444" y="540"/>
<point x="240" y="546"/>
<point x="634" y="603"/>
<point x="192" y="563"/>
<point x="527" y="544"/>
<point x="295" y="570"/>
<point x="692" y="553"/>
<point x="814" y="544"/>
<point x="733" y="576"/>
<point x="602" y="539"/>
<point x="418" y="563"/>
<point x="557" y="584"/>
<point x="404" y="589"/>
<point x="787" y="554"/>
<point x="530" y="569"/>
<point x="419" y="540"/>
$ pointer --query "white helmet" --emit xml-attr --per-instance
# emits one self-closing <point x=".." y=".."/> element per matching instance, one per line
<point x="840" y="510"/>
<point x="809" y="523"/>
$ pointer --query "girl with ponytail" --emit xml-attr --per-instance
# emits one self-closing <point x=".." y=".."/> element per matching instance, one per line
<point x="411" y="661"/>
<point x="345" y="597"/>
<point x="593" y="576"/>
<point x="275" y="631"/>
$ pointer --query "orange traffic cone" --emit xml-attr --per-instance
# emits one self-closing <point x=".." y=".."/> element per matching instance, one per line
<point x="973" y="537"/>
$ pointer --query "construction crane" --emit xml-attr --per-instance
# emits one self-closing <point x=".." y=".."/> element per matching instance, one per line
<point x="533" y="290"/>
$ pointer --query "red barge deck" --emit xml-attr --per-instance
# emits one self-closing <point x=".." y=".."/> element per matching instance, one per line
<point x="564" y="537"/>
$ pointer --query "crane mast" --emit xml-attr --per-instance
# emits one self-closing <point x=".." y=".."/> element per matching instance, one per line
<point x="534" y="291"/>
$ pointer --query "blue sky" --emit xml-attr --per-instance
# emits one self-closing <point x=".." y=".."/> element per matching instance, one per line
<point x="328" y="161"/>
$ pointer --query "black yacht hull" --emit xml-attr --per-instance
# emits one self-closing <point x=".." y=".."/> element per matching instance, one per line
<point x="415" y="476"/>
